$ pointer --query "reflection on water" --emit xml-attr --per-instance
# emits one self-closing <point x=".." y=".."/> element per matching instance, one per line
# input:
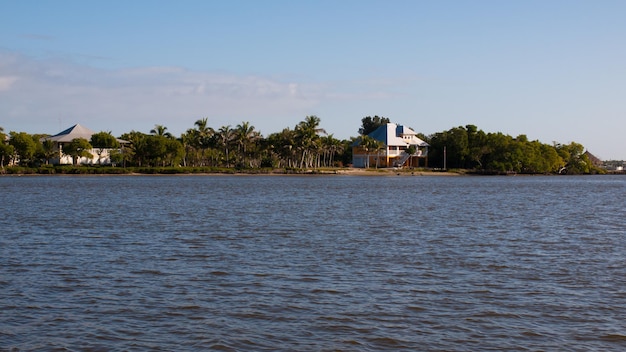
<point x="312" y="263"/>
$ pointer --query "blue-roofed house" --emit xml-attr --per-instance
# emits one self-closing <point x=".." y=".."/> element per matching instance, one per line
<point x="396" y="141"/>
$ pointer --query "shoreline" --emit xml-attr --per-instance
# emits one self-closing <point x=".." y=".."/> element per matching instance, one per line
<point x="392" y="172"/>
<point x="78" y="171"/>
<point x="276" y="172"/>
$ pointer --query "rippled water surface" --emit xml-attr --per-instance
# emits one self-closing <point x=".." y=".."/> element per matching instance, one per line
<point x="238" y="263"/>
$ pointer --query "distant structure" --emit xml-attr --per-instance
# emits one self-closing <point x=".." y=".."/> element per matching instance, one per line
<point x="594" y="160"/>
<point x="396" y="143"/>
<point x="77" y="131"/>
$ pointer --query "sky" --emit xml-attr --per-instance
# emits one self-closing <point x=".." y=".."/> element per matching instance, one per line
<point x="554" y="70"/>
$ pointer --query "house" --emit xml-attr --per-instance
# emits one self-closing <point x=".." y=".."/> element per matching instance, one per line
<point x="595" y="161"/>
<point x="395" y="140"/>
<point x="77" y="131"/>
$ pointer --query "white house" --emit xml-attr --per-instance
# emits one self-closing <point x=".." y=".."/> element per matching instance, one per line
<point x="396" y="141"/>
<point x="77" y="131"/>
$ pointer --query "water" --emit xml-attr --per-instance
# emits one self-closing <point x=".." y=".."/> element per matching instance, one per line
<point x="238" y="263"/>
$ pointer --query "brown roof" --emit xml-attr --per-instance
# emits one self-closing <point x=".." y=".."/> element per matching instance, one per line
<point x="594" y="160"/>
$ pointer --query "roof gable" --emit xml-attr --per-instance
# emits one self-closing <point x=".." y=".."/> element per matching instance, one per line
<point x="76" y="131"/>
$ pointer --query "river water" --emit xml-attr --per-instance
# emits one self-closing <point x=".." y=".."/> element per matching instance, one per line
<point x="312" y="263"/>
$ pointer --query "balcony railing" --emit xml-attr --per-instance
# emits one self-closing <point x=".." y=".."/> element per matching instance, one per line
<point x="420" y="152"/>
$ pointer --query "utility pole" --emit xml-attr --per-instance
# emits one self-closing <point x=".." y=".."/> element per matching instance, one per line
<point x="444" y="158"/>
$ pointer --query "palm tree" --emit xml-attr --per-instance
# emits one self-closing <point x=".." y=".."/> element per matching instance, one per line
<point x="226" y="135"/>
<point x="190" y="155"/>
<point x="203" y="135"/>
<point x="370" y="144"/>
<point x="204" y="131"/>
<point x="331" y="146"/>
<point x="159" y="130"/>
<point x="245" y="135"/>
<point x="134" y="152"/>
<point x="306" y="139"/>
<point x="280" y="147"/>
<point x="202" y="125"/>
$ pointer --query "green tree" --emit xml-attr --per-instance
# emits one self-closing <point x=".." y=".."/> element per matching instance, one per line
<point x="78" y="148"/>
<point x="476" y="147"/>
<point x="202" y="126"/>
<point x="134" y="152"/>
<point x="225" y="136"/>
<point x="330" y="147"/>
<point x="117" y="156"/>
<point x="370" y="146"/>
<point x="24" y="146"/>
<point x="174" y="152"/>
<point x="203" y="138"/>
<point x="455" y="144"/>
<point x="281" y="149"/>
<point x="245" y="137"/>
<point x="155" y="150"/>
<point x="576" y="162"/>
<point x="6" y="150"/>
<point x="471" y="148"/>
<point x="551" y="159"/>
<point x="160" y="130"/>
<point x="159" y="150"/>
<point x="307" y="140"/>
<point x="370" y="124"/>
<point x="6" y="154"/>
<point x="103" y="140"/>
<point x="48" y="150"/>
<point x="191" y="150"/>
<point x="498" y="158"/>
<point x="347" y="150"/>
<point x="410" y="150"/>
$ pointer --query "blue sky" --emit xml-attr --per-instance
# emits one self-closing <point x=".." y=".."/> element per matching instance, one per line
<point x="553" y="70"/>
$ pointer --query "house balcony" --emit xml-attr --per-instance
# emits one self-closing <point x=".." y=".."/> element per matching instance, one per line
<point x="396" y="153"/>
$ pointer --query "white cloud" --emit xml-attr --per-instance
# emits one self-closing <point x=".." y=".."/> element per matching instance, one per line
<point x="46" y="96"/>
<point x="35" y="95"/>
<point x="6" y="82"/>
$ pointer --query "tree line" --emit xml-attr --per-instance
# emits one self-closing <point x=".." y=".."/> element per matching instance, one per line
<point x="470" y="148"/>
<point x="305" y="146"/>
